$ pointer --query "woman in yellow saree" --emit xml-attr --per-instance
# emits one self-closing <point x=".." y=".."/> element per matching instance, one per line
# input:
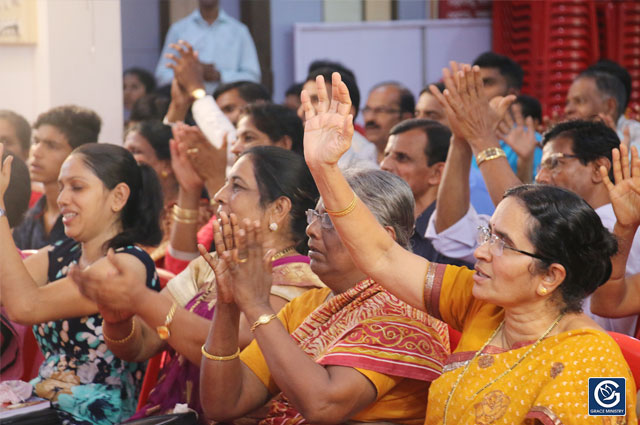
<point x="526" y="352"/>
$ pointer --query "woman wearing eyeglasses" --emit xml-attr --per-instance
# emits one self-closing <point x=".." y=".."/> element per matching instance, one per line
<point x="526" y="351"/>
<point x="349" y="352"/>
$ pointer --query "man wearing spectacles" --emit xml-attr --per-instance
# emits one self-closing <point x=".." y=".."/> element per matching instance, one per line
<point x="572" y="155"/>
<point x="388" y="104"/>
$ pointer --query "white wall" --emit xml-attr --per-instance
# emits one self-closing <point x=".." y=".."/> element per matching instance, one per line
<point x="77" y="59"/>
<point x="411" y="52"/>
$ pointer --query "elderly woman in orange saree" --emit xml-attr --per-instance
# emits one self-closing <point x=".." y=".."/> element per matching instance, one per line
<point x="351" y="351"/>
<point x="527" y="351"/>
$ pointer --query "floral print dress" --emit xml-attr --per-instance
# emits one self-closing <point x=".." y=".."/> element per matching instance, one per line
<point x="83" y="379"/>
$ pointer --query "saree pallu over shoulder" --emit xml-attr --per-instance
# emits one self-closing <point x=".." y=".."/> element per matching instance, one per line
<point x="368" y="328"/>
<point x="550" y="385"/>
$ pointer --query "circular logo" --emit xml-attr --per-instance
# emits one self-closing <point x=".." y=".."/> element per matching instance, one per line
<point x="605" y="392"/>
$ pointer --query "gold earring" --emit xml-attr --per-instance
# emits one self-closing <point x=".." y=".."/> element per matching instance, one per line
<point x="164" y="174"/>
<point x="543" y="291"/>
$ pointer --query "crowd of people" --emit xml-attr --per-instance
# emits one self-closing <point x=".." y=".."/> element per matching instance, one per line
<point x="459" y="259"/>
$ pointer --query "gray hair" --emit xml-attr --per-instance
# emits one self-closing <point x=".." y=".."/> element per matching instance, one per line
<point x="388" y="197"/>
<point x="609" y="86"/>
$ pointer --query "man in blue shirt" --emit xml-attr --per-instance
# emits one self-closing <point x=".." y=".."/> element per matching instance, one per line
<point x="224" y="45"/>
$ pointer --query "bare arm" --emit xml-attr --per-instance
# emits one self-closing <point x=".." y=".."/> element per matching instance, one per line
<point x="619" y="297"/>
<point x="322" y="395"/>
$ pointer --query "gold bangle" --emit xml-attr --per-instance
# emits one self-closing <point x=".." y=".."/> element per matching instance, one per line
<point x="125" y="339"/>
<point x="341" y="213"/>
<point x="489" y="154"/>
<point x="184" y="220"/>
<point x="185" y="212"/>
<point x="220" y="358"/>
<point x="263" y="320"/>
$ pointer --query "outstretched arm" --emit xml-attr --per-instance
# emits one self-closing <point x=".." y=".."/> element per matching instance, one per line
<point x="327" y="135"/>
<point x="620" y="296"/>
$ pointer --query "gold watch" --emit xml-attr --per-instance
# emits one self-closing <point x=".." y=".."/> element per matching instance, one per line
<point x="163" y="330"/>
<point x="263" y="320"/>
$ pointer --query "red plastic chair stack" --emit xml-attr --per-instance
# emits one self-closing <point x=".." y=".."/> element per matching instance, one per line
<point x="553" y="41"/>
<point x="629" y="44"/>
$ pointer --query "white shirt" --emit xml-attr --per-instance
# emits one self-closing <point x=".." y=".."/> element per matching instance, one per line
<point x="459" y="241"/>
<point x="361" y="154"/>
<point x="634" y="130"/>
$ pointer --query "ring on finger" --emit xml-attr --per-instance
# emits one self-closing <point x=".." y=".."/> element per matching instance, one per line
<point x="193" y="150"/>
<point x="242" y="260"/>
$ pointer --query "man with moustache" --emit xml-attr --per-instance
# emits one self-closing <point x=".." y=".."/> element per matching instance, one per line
<point x="388" y="104"/>
<point x="56" y="133"/>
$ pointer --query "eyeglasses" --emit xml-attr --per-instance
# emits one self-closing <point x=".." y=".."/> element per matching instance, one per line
<point x="497" y="244"/>
<point x="325" y="220"/>
<point x="380" y="110"/>
<point x="553" y="160"/>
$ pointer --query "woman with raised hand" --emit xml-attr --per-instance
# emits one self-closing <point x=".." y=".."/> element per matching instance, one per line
<point x="107" y="202"/>
<point x="269" y="184"/>
<point x="349" y="352"/>
<point x="620" y="296"/>
<point x="521" y="355"/>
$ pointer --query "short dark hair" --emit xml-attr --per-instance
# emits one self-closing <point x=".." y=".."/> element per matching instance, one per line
<point x="590" y="140"/>
<point x="566" y="230"/>
<point x="407" y="101"/>
<point x="347" y="78"/>
<point x="158" y="136"/>
<point x="530" y="106"/>
<point x="294" y="89"/>
<point x="79" y="125"/>
<point x="438" y="137"/>
<point x="151" y="106"/>
<point x="276" y="121"/>
<point x="21" y="127"/>
<point x="249" y="91"/>
<point x="614" y="68"/>
<point x="280" y="172"/>
<point x="336" y="66"/>
<point x="439" y="85"/>
<point x="113" y="164"/>
<point x="507" y="67"/>
<point x="609" y="86"/>
<point x="146" y="78"/>
<point x="18" y="193"/>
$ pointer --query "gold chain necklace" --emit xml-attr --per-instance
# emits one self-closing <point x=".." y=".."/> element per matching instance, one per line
<point x="282" y="253"/>
<point x="466" y="368"/>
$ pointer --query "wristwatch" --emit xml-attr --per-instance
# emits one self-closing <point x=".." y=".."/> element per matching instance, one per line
<point x="163" y="330"/>
<point x="263" y="320"/>
<point x="198" y="93"/>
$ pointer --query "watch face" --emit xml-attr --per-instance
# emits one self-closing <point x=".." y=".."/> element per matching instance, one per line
<point x="163" y="332"/>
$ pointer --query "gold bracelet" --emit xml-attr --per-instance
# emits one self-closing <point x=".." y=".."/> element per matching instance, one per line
<point x="163" y="330"/>
<point x="342" y="213"/>
<point x="220" y="358"/>
<point x="179" y="219"/>
<point x="125" y="339"/>
<point x="489" y="154"/>
<point x="185" y="212"/>
<point x="263" y="320"/>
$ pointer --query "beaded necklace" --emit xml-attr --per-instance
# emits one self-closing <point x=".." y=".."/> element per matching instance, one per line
<point x="466" y="368"/>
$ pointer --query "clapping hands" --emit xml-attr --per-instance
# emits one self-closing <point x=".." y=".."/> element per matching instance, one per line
<point x="242" y="269"/>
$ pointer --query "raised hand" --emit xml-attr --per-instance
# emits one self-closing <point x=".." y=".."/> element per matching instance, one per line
<point x="625" y="194"/>
<point x="225" y="233"/>
<point x="329" y="128"/>
<point x="186" y="174"/>
<point x="521" y="137"/>
<point x="471" y="115"/>
<point x="187" y="69"/>
<point x="208" y="161"/>
<point x="5" y="173"/>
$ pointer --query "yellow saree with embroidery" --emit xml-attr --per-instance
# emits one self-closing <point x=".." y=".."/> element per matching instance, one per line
<point x="549" y="385"/>
<point x="397" y="347"/>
